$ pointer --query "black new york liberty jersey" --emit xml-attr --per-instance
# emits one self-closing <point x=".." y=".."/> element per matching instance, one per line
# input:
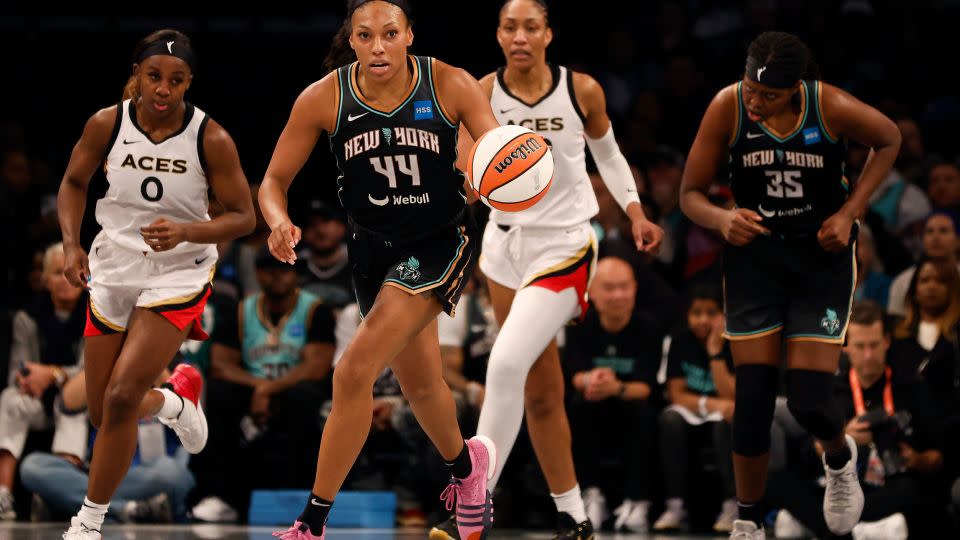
<point x="795" y="182"/>
<point x="397" y="168"/>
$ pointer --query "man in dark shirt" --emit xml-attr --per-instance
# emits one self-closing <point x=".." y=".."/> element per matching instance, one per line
<point x="613" y="358"/>
<point x="270" y="374"/>
<point x="322" y="263"/>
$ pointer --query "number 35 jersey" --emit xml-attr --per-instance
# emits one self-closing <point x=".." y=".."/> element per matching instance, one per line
<point x="397" y="168"/>
<point x="794" y="180"/>
<point x="151" y="180"/>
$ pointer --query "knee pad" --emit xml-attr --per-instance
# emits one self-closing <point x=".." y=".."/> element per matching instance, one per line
<point x="755" y="399"/>
<point x="810" y="400"/>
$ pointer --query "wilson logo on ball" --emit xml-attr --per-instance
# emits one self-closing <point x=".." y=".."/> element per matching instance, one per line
<point x="511" y="168"/>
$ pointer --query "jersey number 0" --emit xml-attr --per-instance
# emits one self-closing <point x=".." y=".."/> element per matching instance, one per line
<point x="157" y="191"/>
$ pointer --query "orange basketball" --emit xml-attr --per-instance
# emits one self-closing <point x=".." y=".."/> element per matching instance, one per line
<point x="511" y="168"/>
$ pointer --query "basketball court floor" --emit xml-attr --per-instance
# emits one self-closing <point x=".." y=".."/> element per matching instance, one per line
<point x="48" y="531"/>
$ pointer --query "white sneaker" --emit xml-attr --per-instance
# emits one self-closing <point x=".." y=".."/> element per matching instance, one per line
<point x="889" y="528"/>
<point x="7" y="512"/>
<point x="214" y="510"/>
<point x="674" y="518"/>
<point x="79" y="531"/>
<point x="843" y="500"/>
<point x="787" y="526"/>
<point x="728" y="514"/>
<point x="596" y="506"/>
<point x="632" y="516"/>
<point x="746" y="530"/>
<point x="191" y="424"/>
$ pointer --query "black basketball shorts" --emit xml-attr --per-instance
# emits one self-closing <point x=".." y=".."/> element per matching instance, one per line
<point x="789" y="286"/>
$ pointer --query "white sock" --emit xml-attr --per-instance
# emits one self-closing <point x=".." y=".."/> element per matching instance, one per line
<point x="571" y="503"/>
<point x="536" y="315"/>
<point x="172" y="404"/>
<point x="91" y="514"/>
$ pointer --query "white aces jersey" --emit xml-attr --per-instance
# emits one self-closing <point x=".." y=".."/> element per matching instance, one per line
<point x="558" y="118"/>
<point x="151" y="180"/>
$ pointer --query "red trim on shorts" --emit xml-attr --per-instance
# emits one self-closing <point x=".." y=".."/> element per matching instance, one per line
<point x="188" y="312"/>
<point x="96" y="327"/>
<point x="577" y="279"/>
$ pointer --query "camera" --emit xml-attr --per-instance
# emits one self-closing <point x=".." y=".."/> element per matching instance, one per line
<point x="888" y="432"/>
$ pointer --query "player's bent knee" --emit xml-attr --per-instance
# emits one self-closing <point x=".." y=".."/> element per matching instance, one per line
<point x="755" y="402"/>
<point x="544" y="403"/>
<point x="810" y="400"/>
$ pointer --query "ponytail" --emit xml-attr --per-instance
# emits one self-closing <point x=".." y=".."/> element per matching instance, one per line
<point x="340" y="53"/>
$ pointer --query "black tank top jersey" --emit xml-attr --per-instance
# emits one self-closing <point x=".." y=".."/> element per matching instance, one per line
<point x="795" y="182"/>
<point x="397" y="168"/>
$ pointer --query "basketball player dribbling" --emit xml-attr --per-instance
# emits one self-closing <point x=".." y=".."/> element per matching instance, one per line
<point x="538" y="262"/>
<point x="150" y="267"/>
<point x="789" y="268"/>
<point x="392" y="121"/>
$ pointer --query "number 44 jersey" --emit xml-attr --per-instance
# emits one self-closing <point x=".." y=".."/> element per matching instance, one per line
<point x="794" y="180"/>
<point x="397" y="168"/>
<point x="151" y="180"/>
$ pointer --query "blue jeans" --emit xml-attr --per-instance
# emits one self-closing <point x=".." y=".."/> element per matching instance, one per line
<point x="63" y="486"/>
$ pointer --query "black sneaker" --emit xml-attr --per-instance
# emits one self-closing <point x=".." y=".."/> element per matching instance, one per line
<point x="446" y="530"/>
<point x="568" y="529"/>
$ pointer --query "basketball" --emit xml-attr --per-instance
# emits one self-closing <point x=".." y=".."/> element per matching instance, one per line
<point x="511" y="168"/>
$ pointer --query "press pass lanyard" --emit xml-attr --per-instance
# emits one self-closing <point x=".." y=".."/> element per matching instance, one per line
<point x="857" y="390"/>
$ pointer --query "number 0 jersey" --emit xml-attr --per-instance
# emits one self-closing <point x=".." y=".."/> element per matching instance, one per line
<point x="795" y="181"/>
<point x="151" y="180"/>
<point x="398" y="172"/>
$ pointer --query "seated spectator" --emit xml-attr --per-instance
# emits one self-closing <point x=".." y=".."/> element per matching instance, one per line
<point x="46" y="350"/>
<point x="872" y="282"/>
<point x="928" y="343"/>
<point x="322" y="263"/>
<point x="940" y="242"/>
<point x="944" y="187"/>
<point x="154" y="490"/>
<point x="927" y="338"/>
<point x="902" y="207"/>
<point x="895" y="424"/>
<point x="612" y="358"/>
<point x="465" y="345"/>
<point x="270" y="375"/>
<point x="700" y="387"/>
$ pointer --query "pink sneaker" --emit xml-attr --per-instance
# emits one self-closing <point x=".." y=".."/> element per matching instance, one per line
<point x="473" y="500"/>
<point x="299" y="531"/>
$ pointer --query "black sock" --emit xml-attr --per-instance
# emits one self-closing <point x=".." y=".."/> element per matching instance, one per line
<point x="315" y="513"/>
<point x="461" y="467"/>
<point x="837" y="460"/>
<point x="751" y="512"/>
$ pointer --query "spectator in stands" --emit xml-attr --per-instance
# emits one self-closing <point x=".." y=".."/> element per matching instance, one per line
<point x="465" y="344"/>
<point x="322" y="263"/>
<point x="44" y="353"/>
<point x="872" y="282"/>
<point x="896" y="425"/>
<point x="940" y="242"/>
<point x="944" y="187"/>
<point x="153" y="491"/>
<point x="700" y="387"/>
<point x="928" y="343"/>
<point x="912" y="160"/>
<point x="612" y="359"/>
<point x="901" y="204"/>
<point x="270" y="375"/>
